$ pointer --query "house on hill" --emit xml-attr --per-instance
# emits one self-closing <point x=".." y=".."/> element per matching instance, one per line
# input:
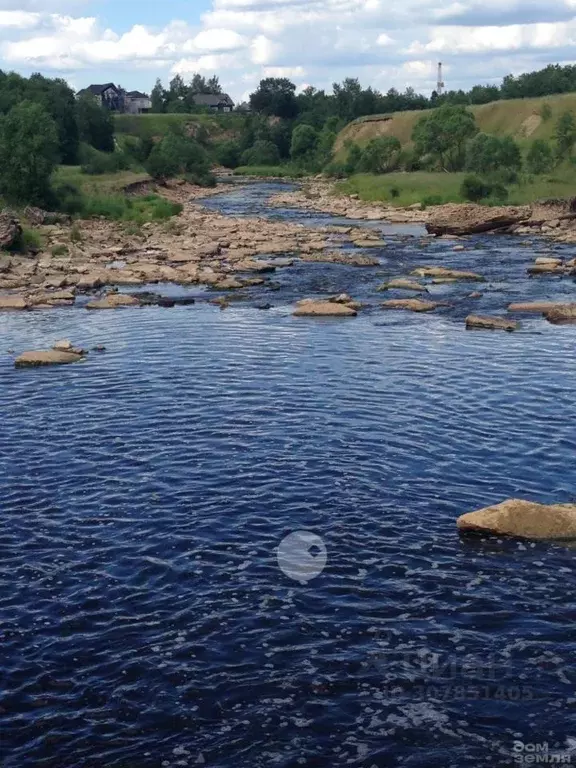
<point x="137" y="103"/>
<point x="219" y="102"/>
<point x="107" y="95"/>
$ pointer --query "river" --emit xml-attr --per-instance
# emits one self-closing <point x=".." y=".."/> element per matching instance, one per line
<point x="144" y="619"/>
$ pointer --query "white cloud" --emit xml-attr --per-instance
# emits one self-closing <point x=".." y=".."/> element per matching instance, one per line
<point x="319" y="41"/>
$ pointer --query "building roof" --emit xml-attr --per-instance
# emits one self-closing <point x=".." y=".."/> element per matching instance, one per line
<point x="213" y="100"/>
<point x="98" y="90"/>
<point x="137" y="95"/>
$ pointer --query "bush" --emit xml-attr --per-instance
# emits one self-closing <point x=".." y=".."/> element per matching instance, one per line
<point x="76" y="235"/>
<point x="353" y="158"/>
<point x="261" y="153"/>
<point x="409" y="160"/>
<point x="68" y="198"/>
<point x="488" y="154"/>
<point x="59" y="250"/>
<point x="475" y="189"/>
<point x="395" y="192"/>
<point x="430" y="200"/>
<point x="29" y="241"/>
<point x="177" y="155"/>
<point x="540" y="158"/>
<point x="228" y="154"/>
<point x="94" y="162"/>
<point x="336" y="170"/>
<point x="546" y="112"/>
<point x="137" y="209"/>
<point x="138" y="149"/>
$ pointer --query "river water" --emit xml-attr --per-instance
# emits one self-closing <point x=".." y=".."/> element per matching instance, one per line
<point x="145" y="621"/>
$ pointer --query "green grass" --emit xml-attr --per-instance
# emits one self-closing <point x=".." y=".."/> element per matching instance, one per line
<point x="101" y="184"/>
<point x="135" y="209"/>
<point x="279" y="171"/>
<point x="405" y="189"/>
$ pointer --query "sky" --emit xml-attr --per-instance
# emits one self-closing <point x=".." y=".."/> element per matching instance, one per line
<point x="313" y="42"/>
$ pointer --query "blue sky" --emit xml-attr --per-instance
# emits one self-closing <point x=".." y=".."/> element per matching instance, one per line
<point x="313" y="42"/>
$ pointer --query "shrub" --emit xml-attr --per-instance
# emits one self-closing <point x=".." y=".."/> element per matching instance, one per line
<point x="228" y="154"/>
<point x="409" y="160"/>
<point x="76" y="235"/>
<point x="177" y="155"/>
<point x="261" y="153"/>
<point x="353" y="157"/>
<point x="29" y="241"/>
<point x="336" y="170"/>
<point x="546" y="112"/>
<point x="94" y="162"/>
<point x="59" y="250"/>
<point x="475" y="189"/>
<point x="431" y="200"/>
<point x="395" y="192"/>
<point x="68" y="198"/>
<point x="540" y="158"/>
<point x="487" y="154"/>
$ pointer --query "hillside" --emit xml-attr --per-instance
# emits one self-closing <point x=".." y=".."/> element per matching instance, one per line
<point x="520" y="118"/>
<point x="218" y="127"/>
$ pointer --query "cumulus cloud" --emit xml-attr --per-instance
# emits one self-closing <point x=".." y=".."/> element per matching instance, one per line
<point x="309" y="41"/>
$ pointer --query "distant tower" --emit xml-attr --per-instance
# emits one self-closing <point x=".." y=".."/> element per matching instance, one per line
<point x="440" y="84"/>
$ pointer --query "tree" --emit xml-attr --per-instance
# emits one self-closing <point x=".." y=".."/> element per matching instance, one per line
<point x="565" y="134"/>
<point x="380" y="155"/>
<point x="158" y="97"/>
<point x="444" y="133"/>
<point x="540" y="158"/>
<point x="304" y="143"/>
<point x="275" y="96"/>
<point x="95" y="124"/>
<point x="488" y="154"/>
<point x="28" y="153"/>
<point x="213" y="85"/>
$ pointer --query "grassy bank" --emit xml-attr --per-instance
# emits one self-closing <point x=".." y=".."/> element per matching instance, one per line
<point x="103" y="195"/>
<point x="270" y="171"/>
<point x="523" y="119"/>
<point x="430" y="188"/>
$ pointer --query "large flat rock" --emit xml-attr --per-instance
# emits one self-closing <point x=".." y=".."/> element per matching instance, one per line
<point x="469" y="218"/>
<point x="46" y="357"/>
<point x="491" y="323"/>
<point x="525" y="519"/>
<point x="322" y="308"/>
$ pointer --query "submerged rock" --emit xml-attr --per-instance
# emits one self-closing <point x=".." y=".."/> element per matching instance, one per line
<point x="46" y="357"/>
<point x="491" y="323"/>
<point x="535" y="307"/>
<point x="113" y="301"/>
<point x="549" y="268"/>
<point x="443" y="273"/>
<point x="412" y="305"/>
<point x="366" y="243"/>
<point x="323" y="307"/>
<point x="526" y="519"/>
<point x="348" y="258"/>
<point x="401" y="284"/>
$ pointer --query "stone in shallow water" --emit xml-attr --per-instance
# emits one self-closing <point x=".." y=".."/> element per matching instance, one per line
<point x="412" y="305"/>
<point x="563" y="314"/>
<point x="402" y="284"/>
<point x="320" y="307"/>
<point x="113" y="301"/>
<point x="46" y="357"/>
<point x="537" y="307"/>
<point x="445" y="272"/>
<point x="526" y="519"/>
<point x="12" y="303"/>
<point x="491" y="323"/>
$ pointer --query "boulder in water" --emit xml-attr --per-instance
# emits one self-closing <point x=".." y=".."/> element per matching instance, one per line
<point x="46" y="357"/>
<point x="491" y="323"/>
<point x="412" y="305"/>
<point x="402" y="284"/>
<point x="469" y="219"/>
<point x="443" y="273"/>
<point x="113" y="301"/>
<point x="323" y="308"/>
<point x="525" y="519"/>
<point x="563" y="314"/>
<point x="13" y="302"/>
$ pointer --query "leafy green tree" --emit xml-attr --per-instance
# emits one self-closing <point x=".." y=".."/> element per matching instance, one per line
<point x="28" y="153"/>
<point x="158" y="97"/>
<point x="95" y="124"/>
<point x="475" y="189"/>
<point x="304" y="143"/>
<point x="444" y="133"/>
<point x="540" y="158"/>
<point x="275" y="96"/>
<point x="380" y="155"/>
<point x="487" y="154"/>
<point x="213" y="85"/>
<point x="565" y="134"/>
<point x="262" y="153"/>
<point x="353" y="157"/>
<point x="179" y="155"/>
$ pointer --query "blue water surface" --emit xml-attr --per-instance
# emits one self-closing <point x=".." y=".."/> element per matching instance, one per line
<point x="144" y="619"/>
